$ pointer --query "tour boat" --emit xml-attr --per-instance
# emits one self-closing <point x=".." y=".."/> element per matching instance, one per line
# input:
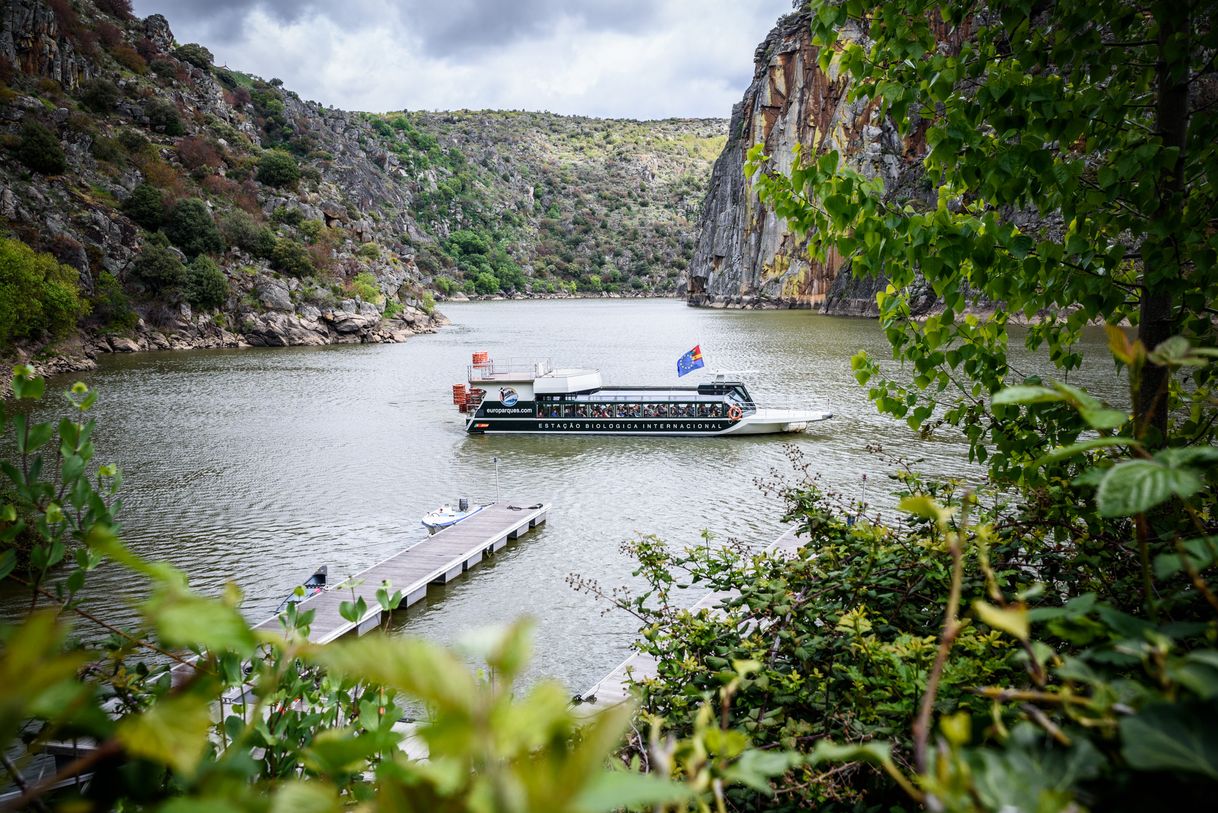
<point x="446" y="515"/>
<point x="533" y="397"/>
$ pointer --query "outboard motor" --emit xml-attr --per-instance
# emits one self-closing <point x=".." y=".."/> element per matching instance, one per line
<point x="463" y="504"/>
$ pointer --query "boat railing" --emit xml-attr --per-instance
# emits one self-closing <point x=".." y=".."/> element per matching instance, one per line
<point x="493" y="370"/>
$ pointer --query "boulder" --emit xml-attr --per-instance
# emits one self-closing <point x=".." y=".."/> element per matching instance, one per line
<point x="274" y="294"/>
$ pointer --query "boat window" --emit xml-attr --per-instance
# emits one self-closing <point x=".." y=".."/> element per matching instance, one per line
<point x="602" y="411"/>
<point x="629" y="410"/>
<point x="704" y="410"/>
<point x="655" y="411"/>
<point x="577" y="410"/>
<point x="716" y="410"/>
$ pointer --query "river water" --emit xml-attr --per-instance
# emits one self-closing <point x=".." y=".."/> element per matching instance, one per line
<point x="257" y="465"/>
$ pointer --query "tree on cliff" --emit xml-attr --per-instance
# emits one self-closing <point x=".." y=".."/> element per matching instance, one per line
<point x="1068" y="178"/>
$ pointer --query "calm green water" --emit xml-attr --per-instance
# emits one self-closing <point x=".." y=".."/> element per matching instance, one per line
<point x="257" y="465"/>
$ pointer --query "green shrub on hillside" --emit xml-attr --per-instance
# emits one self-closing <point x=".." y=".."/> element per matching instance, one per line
<point x="196" y="55"/>
<point x="206" y="284"/>
<point x="159" y="270"/>
<point x="109" y="150"/>
<point x="190" y="227"/>
<point x="445" y="285"/>
<point x="111" y="307"/>
<point x="278" y="168"/>
<point x="365" y="286"/>
<point x="240" y="229"/>
<point x="164" y="116"/>
<point x="486" y="283"/>
<point x="39" y="297"/>
<point x="146" y="206"/>
<point x="292" y="258"/>
<point x="369" y="251"/>
<point x="133" y="140"/>
<point x="39" y="149"/>
<point x="99" y="95"/>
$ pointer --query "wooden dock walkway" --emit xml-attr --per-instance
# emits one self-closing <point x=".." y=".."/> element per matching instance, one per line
<point x="614" y="688"/>
<point x="437" y="560"/>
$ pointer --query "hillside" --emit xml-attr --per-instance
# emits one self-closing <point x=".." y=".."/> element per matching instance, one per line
<point x="583" y="204"/>
<point x="191" y="205"/>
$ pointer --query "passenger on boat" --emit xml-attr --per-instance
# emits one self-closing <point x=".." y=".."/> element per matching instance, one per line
<point x="653" y="411"/>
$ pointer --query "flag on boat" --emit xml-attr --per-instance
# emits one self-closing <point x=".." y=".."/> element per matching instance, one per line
<point x="690" y="361"/>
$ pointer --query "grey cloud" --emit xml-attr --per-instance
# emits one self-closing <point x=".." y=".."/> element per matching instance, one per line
<point x="443" y="29"/>
<point x="662" y="58"/>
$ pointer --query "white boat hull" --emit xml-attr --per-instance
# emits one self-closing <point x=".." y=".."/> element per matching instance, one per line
<point x="777" y="421"/>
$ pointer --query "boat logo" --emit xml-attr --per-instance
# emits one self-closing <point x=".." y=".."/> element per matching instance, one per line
<point x="508" y="396"/>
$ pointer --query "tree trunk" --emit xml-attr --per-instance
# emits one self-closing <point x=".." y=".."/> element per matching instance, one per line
<point x="1157" y="318"/>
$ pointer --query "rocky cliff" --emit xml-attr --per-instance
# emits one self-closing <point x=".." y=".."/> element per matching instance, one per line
<point x="745" y="255"/>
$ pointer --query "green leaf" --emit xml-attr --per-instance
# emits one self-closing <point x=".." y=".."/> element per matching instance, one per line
<point x="1064" y="452"/>
<point x="172" y="732"/>
<point x="1136" y="486"/>
<point x="1201" y="552"/>
<point x="924" y="507"/>
<point x="1188" y="455"/>
<point x="1026" y="394"/>
<point x="1172" y="737"/>
<point x="755" y="768"/>
<point x="8" y="561"/>
<point x="417" y="667"/>
<point x="1198" y="671"/>
<point x="340" y="750"/>
<point x="1176" y="352"/>
<point x="192" y="621"/>
<point x="615" y="790"/>
<point x="295" y="796"/>
<point x="875" y="753"/>
<point x="1104" y="418"/>
<point x="39" y="434"/>
<point x="1013" y="620"/>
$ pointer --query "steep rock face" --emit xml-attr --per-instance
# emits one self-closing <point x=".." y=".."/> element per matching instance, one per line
<point x="31" y="39"/>
<point x="748" y="257"/>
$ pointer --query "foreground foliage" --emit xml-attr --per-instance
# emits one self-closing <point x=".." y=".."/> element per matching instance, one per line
<point x="1046" y="640"/>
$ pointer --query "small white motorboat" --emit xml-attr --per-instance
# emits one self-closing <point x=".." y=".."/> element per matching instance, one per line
<point x="446" y="515"/>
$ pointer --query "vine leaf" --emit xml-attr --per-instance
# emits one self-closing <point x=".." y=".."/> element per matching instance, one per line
<point x="1136" y="486"/>
<point x="1167" y="737"/>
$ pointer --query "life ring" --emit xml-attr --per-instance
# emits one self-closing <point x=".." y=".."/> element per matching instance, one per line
<point x="735" y="413"/>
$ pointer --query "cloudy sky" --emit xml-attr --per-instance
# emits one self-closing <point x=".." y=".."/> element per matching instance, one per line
<point x="623" y="58"/>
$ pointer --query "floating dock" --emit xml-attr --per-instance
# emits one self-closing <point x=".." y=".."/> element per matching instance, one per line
<point x="614" y="688"/>
<point x="439" y="559"/>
